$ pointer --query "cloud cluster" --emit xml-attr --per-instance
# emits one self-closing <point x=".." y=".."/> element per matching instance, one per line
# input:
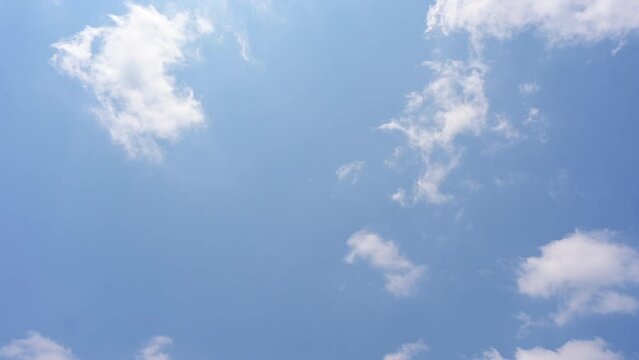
<point x="454" y="103"/>
<point x="559" y="20"/>
<point x="408" y="351"/>
<point x="572" y="350"/>
<point x="126" y="66"/>
<point x="587" y="272"/>
<point x="38" y="347"/>
<point x="400" y="273"/>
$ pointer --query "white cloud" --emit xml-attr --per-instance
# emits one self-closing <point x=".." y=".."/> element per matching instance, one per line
<point x="126" y="67"/>
<point x="451" y="105"/>
<point x="586" y="271"/>
<point x="558" y="20"/>
<point x="572" y="350"/>
<point x="400" y="273"/>
<point x="154" y="350"/>
<point x="408" y="351"/>
<point x="35" y="347"/>
<point x="350" y="172"/>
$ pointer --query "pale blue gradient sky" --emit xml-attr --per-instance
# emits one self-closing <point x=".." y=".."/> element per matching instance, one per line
<point x="234" y="245"/>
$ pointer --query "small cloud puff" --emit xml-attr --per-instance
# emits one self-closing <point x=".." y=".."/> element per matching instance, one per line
<point x="401" y="274"/>
<point x="528" y="88"/>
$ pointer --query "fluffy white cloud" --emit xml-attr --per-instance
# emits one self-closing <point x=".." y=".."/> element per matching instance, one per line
<point x="572" y="350"/>
<point x="154" y="350"/>
<point x="451" y="105"/>
<point x="35" y="347"/>
<point x="401" y="275"/>
<point x="408" y="351"/>
<point x="350" y="172"/>
<point x="558" y="20"/>
<point x="586" y="271"/>
<point x="126" y="67"/>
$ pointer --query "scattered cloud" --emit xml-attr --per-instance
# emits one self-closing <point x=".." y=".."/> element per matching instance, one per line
<point x="400" y="273"/>
<point x="451" y="105"/>
<point x="126" y="66"/>
<point x="38" y="347"/>
<point x="561" y="21"/>
<point x="596" y="349"/>
<point x="408" y="351"/>
<point x="505" y="128"/>
<point x="455" y="104"/>
<point x="587" y="272"/>
<point x="35" y="347"/>
<point x="350" y="172"/>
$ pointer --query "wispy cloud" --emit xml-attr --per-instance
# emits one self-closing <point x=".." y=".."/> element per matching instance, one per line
<point x="350" y="172"/>
<point x="586" y="272"/>
<point x="126" y="66"/>
<point x="451" y="105"/>
<point x="401" y="274"/>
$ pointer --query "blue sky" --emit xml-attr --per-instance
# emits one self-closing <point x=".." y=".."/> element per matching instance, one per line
<point x="256" y="179"/>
